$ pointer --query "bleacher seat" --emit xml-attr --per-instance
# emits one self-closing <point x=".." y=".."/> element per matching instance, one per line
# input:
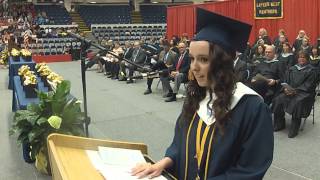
<point x="57" y="13"/>
<point x="105" y="14"/>
<point x="128" y="32"/>
<point x="153" y="13"/>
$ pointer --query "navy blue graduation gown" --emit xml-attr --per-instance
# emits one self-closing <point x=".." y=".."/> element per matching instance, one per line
<point x="244" y="152"/>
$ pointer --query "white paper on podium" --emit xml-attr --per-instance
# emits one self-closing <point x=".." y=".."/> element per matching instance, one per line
<point x="122" y="161"/>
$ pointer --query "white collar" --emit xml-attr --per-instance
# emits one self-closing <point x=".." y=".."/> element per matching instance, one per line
<point x="240" y="91"/>
<point x="271" y="61"/>
<point x="235" y="62"/>
<point x="286" y="54"/>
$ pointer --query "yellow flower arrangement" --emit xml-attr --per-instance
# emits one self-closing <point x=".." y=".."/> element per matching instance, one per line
<point x="15" y="52"/>
<point x="23" y="69"/>
<point x="55" y="78"/>
<point x="30" y="78"/>
<point x="4" y="57"/>
<point x="38" y="65"/>
<point x="25" y="52"/>
<point x="43" y="68"/>
<point x="45" y="71"/>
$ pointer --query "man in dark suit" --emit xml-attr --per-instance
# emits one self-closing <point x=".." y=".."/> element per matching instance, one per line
<point x="165" y="61"/>
<point x="138" y="57"/>
<point x="179" y="73"/>
<point x="128" y="50"/>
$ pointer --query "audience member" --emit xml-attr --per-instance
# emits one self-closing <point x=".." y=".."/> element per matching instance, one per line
<point x="315" y="57"/>
<point x="286" y="56"/>
<point x="297" y="95"/>
<point x="138" y="57"/>
<point x="179" y="73"/>
<point x="297" y="43"/>
<point x="264" y="36"/>
<point x="267" y="75"/>
<point x="164" y="63"/>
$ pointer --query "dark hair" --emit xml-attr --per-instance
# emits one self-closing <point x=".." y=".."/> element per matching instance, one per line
<point x="222" y="83"/>
<point x="315" y="47"/>
<point x="304" y="53"/>
<point x="257" y="51"/>
<point x="288" y="44"/>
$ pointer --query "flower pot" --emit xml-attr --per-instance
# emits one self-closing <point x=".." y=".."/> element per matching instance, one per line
<point x="45" y="81"/>
<point x="16" y="58"/>
<point x="42" y="161"/>
<point x="27" y="58"/>
<point x="26" y="149"/>
<point x="30" y="90"/>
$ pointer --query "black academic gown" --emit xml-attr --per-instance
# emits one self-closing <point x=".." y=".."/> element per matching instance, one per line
<point x="288" y="59"/>
<point x="304" y="82"/>
<point x="244" y="152"/>
<point x="271" y="70"/>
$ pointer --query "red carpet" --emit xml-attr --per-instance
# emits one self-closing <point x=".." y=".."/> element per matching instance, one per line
<point x="51" y="58"/>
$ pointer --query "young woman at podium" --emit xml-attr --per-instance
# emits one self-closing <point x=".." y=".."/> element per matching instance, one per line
<point x="225" y="129"/>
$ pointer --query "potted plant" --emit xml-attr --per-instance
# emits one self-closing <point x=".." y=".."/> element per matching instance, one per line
<point x="39" y="67"/>
<point x="15" y="55"/>
<point x="44" y="74"/>
<point x="4" y="58"/>
<point x="54" y="79"/>
<point x="56" y="112"/>
<point x="26" y="55"/>
<point x="22" y="71"/>
<point x="30" y="85"/>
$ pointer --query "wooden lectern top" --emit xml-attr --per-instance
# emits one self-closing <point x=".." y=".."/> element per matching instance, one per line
<point x="69" y="160"/>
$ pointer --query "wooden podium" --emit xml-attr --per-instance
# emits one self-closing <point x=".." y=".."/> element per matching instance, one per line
<point x="69" y="161"/>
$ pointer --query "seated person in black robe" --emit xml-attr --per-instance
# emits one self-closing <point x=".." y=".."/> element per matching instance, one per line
<point x="225" y="129"/>
<point x="315" y="57"/>
<point x="165" y="61"/>
<point x="267" y="75"/>
<point x="259" y="55"/>
<point x="297" y="95"/>
<point x="286" y="56"/>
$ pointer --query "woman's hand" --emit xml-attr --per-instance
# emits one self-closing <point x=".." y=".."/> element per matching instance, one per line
<point x="151" y="170"/>
<point x="147" y="170"/>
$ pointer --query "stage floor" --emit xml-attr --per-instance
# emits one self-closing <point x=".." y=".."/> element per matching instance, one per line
<point x="121" y="112"/>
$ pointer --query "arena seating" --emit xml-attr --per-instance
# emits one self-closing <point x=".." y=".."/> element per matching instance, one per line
<point x="54" y="46"/>
<point x="153" y="13"/>
<point x="57" y="13"/>
<point x="128" y="31"/>
<point x="111" y="14"/>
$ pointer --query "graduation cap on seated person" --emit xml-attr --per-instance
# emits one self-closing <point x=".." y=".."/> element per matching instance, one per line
<point x="230" y="34"/>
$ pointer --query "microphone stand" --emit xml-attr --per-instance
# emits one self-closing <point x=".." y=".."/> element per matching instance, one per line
<point x="85" y="44"/>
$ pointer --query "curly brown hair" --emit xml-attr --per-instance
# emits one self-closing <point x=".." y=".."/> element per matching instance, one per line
<point x="222" y="83"/>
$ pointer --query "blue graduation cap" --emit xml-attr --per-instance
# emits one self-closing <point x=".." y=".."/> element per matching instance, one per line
<point x="230" y="34"/>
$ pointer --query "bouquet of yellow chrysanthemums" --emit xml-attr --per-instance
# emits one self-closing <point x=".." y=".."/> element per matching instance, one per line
<point x="15" y="54"/>
<point x="22" y="71"/>
<point x="4" y="57"/>
<point x="54" y="79"/>
<point x="26" y="54"/>
<point x="28" y="80"/>
<point x="50" y="78"/>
